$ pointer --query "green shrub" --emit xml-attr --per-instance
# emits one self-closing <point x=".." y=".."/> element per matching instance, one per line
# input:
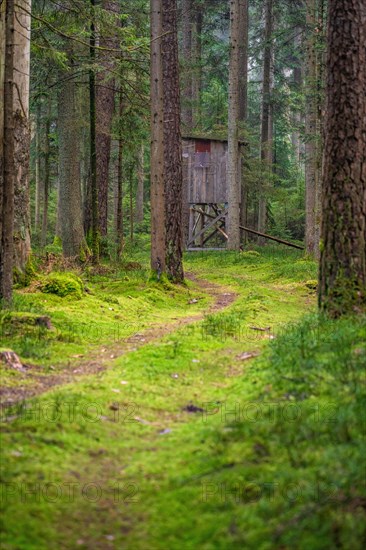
<point x="63" y="284"/>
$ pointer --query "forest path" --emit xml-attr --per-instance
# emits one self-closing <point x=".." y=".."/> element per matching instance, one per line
<point x="140" y="437"/>
<point x="36" y="383"/>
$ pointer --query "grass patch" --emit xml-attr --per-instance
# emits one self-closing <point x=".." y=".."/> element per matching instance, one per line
<point x="185" y="444"/>
<point x="106" y="307"/>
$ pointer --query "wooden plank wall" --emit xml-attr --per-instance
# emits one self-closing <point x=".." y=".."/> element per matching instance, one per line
<point x="205" y="173"/>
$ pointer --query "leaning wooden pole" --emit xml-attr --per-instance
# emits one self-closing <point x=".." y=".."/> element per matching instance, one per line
<point x="271" y="238"/>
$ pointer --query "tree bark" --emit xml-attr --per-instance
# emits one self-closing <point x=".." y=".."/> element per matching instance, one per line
<point x="310" y="131"/>
<point x="70" y="204"/>
<point x="243" y="59"/>
<point x="233" y="217"/>
<point x="22" y="23"/>
<point x="8" y="165"/>
<point x="158" y="248"/>
<point x="105" y="92"/>
<point x="38" y="176"/>
<point x="140" y="185"/>
<point x="342" y="284"/>
<point x="173" y="175"/>
<point x="2" y="107"/>
<point x="46" y="188"/>
<point x="266" y="153"/>
<point x="243" y="94"/>
<point x="118" y="223"/>
<point x="95" y="188"/>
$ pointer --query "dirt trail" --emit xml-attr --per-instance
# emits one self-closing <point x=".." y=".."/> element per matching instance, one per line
<point x="36" y="382"/>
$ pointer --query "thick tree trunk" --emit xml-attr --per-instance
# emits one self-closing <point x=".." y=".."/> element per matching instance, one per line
<point x="173" y="175"/>
<point x="140" y="185"/>
<point x="22" y="23"/>
<point x="70" y="204"/>
<point x="157" y="143"/>
<point x="266" y="153"/>
<point x="105" y="92"/>
<point x="233" y="183"/>
<point x="8" y="165"/>
<point x="342" y="286"/>
<point x="2" y="106"/>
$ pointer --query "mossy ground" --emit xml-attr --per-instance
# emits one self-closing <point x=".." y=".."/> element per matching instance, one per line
<point x="185" y="444"/>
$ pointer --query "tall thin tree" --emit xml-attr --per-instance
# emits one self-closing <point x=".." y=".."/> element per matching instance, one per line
<point x="311" y="132"/>
<point x="157" y="191"/>
<point x="266" y="153"/>
<point x="233" y="217"/>
<point x="243" y="92"/>
<point x="94" y="230"/>
<point x="8" y="164"/>
<point x="104" y="98"/>
<point x="172" y="143"/>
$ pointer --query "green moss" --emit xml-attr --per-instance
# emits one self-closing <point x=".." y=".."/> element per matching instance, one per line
<point x="24" y="278"/>
<point x="250" y="254"/>
<point x="345" y="295"/>
<point x="63" y="284"/>
<point x="312" y="284"/>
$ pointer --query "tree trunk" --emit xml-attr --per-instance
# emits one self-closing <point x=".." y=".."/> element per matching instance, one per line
<point x="70" y="204"/>
<point x="320" y="79"/>
<point x="266" y="154"/>
<point x="233" y="217"/>
<point x="157" y="143"/>
<point x="2" y="108"/>
<point x="46" y="187"/>
<point x="8" y="174"/>
<point x="22" y="23"/>
<point x="173" y="175"/>
<point x="243" y="59"/>
<point x="118" y="219"/>
<point x="94" y="187"/>
<point x="119" y="200"/>
<point x="140" y="186"/>
<point x="312" y="137"/>
<point x="105" y="92"/>
<point x="243" y="93"/>
<point x="297" y="83"/>
<point x="38" y="176"/>
<point x="342" y="285"/>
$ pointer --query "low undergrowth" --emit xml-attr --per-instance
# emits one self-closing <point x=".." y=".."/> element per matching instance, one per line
<point x="86" y="310"/>
<point x="244" y="430"/>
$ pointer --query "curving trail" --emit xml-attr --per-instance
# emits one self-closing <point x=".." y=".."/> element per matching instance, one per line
<point x="36" y="383"/>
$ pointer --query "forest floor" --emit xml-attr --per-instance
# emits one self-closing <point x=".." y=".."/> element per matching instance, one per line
<point x="223" y="414"/>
